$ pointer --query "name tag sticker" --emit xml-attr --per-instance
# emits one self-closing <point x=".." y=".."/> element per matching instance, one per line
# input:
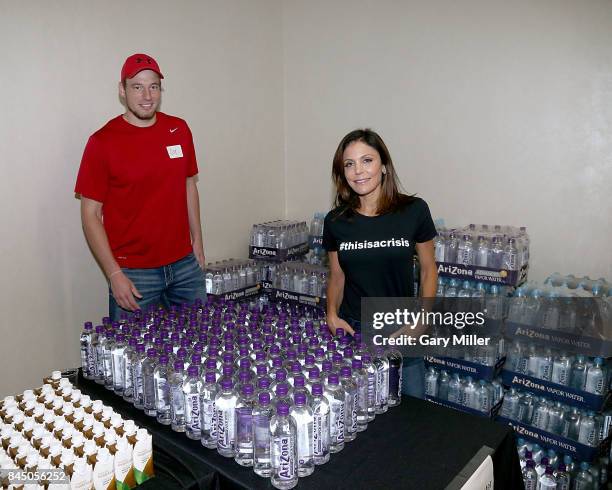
<point x="175" y="151"/>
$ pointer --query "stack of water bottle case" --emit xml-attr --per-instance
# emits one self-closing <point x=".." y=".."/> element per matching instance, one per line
<point x="54" y="435"/>
<point x="265" y="384"/>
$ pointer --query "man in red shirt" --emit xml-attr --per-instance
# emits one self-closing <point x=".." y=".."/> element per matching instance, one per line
<point x="139" y="200"/>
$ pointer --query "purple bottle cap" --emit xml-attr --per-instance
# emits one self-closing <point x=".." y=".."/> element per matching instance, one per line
<point x="326" y="366"/>
<point x="181" y="353"/>
<point x="282" y="409"/>
<point x="227" y="384"/>
<point x="365" y="357"/>
<point x="346" y="372"/>
<point x="168" y="348"/>
<point x="264" y="399"/>
<point x="337" y="358"/>
<point x="198" y="348"/>
<point x="196" y="359"/>
<point x="299" y="381"/>
<point x="245" y="364"/>
<point x="281" y="375"/>
<point x="152" y="352"/>
<point x="282" y="389"/>
<point x="340" y="332"/>
<point x="247" y="389"/>
<point x="193" y="371"/>
<point x="262" y="370"/>
<point x="333" y="379"/>
<point x="244" y="376"/>
<point x="296" y="368"/>
<point x="228" y="370"/>
<point x="528" y="454"/>
<point x="299" y="399"/>
<point x="319" y="352"/>
<point x="185" y="343"/>
<point x="331" y="346"/>
<point x="228" y="358"/>
<point x="530" y="463"/>
<point x="140" y="348"/>
<point x="317" y="389"/>
<point x="549" y="470"/>
<point x="88" y="325"/>
<point x="228" y="347"/>
<point x="99" y="329"/>
<point x="132" y="342"/>
<point x="211" y="363"/>
<point x="263" y="383"/>
<point x="110" y="334"/>
<point x="348" y="353"/>
<point x="163" y="359"/>
<point x="544" y="461"/>
<point x="257" y="345"/>
<point x="260" y="356"/>
<point x="356" y="363"/>
<point x="302" y="349"/>
<point x="309" y="360"/>
<point x="357" y="337"/>
<point x="274" y="349"/>
<point x="179" y="365"/>
<point x="277" y="362"/>
<point x="562" y="467"/>
<point x="291" y="355"/>
<point x="313" y="373"/>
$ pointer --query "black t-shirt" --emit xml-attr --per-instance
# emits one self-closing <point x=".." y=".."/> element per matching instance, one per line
<point x="375" y="252"/>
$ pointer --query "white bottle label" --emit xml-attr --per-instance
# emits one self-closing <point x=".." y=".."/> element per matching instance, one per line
<point x="284" y="457"/>
<point x="337" y="422"/>
<point x="192" y="411"/>
<point x="225" y="429"/>
<point x="208" y="415"/>
<point x="320" y="434"/>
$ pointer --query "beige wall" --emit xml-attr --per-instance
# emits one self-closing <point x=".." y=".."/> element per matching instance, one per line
<point x="475" y="98"/>
<point x="60" y="68"/>
<point x="493" y="112"/>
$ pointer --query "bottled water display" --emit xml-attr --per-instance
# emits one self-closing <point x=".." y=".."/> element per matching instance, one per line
<point x="316" y="225"/>
<point x="545" y="469"/>
<point x="281" y="234"/>
<point x="463" y="390"/>
<point x="590" y="374"/>
<point x="492" y="246"/>
<point x="265" y="384"/>
<point x="297" y="277"/>
<point x="564" y="303"/>
<point x="231" y="274"/>
<point x="583" y="426"/>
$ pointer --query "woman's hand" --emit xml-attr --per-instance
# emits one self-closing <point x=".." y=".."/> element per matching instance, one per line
<point x="334" y="322"/>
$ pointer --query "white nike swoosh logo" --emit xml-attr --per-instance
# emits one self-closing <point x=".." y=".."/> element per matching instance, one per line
<point x="173" y="130"/>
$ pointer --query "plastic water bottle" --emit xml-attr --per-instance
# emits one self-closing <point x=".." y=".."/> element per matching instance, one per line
<point x="128" y="375"/>
<point x="382" y="381"/>
<point x="283" y="443"/>
<point x="511" y="259"/>
<point x="360" y="376"/>
<point x="302" y="415"/>
<point x="465" y="253"/>
<point x="137" y="379"/>
<point x="439" y="246"/>
<point x="545" y="365"/>
<point x="578" y="375"/>
<point x="86" y="357"/>
<point x="588" y="430"/>
<point x="225" y="406"/>
<point x="530" y="477"/>
<point x="443" y="382"/>
<point x="540" y="414"/>
<point x="431" y="382"/>
<point x="369" y="367"/>
<point x="454" y="389"/>
<point x="162" y="391"/>
<point x="510" y="406"/>
<point x="396" y="362"/>
<point x="482" y="252"/>
<point x="177" y="399"/>
<point x="547" y="481"/>
<point x="563" y="477"/>
<point x="594" y="381"/>
<point x="321" y="423"/>
<point x="108" y="360"/>
<point x="192" y="389"/>
<point x="350" y="392"/>
<point x="452" y="248"/>
<point x="118" y="364"/>
<point x="541" y="466"/>
<point x="555" y="419"/>
<point x="469" y="393"/>
<point x="571" y="423"/>
<point x="208" y="414"/>
<point x="483" y="397"/>
<point x="337" y="428"/>
<point x="262" y="413"/>
<point x="244" y="426"/>
<point x="584" y="479"/>
<point x="148" y="382"/>
<point x="561" y="370"/>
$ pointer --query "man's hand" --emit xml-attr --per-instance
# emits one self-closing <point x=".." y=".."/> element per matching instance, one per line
<point x="335" y="322"/>
<point x="198" y="252"/>
<point x="124" y="291"/>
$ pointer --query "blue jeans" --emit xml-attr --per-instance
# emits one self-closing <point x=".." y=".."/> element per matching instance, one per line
<point x="413" y="371"/>
<point x="173" y="284"/>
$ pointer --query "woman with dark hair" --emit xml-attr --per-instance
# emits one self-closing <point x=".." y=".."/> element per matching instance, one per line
<point x="373" y="232"/>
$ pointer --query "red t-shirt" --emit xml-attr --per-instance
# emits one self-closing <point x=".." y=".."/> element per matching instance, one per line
<point x="139" y="175"/>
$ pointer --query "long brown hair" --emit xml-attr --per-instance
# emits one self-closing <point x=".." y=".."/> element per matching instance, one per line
<point x="390" y="199"/>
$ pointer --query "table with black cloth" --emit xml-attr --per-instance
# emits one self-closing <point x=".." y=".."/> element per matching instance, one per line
<point x="417" y="445"/>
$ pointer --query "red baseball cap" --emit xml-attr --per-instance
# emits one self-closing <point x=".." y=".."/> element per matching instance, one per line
<point x="138" y="62"/>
